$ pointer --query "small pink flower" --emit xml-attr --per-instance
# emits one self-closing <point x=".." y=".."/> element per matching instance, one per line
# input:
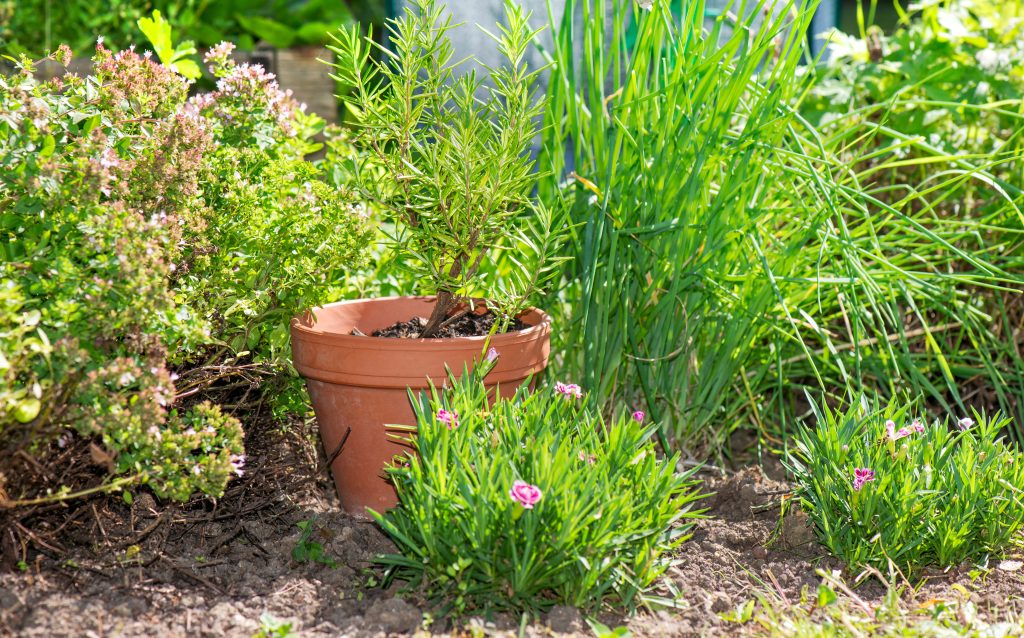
<point x="451" y="418"/>
<point x="591" y="459"/>
<point x="893" y="434"/>
<point x="237" y="463"/>
<point x="965" y="423"/>
<point x="639" y="416"/>
<point x="525" y="494"/>
<point x="917" y="426"/>
<point x="492" y="355"/>
<point x="862" y="475"/>
<point x="570" y="390"/>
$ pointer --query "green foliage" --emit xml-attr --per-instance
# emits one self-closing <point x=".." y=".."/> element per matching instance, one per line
<point x="271" y="627"/>
<point x="450" y="155"/>
<point x="598" y="533"/>
<point x="24" y="349"/>
<point x="159" y="33"/>
<point x="121" y="202"/>
<point x="89" y="204"/>
<point x="285" y="23"/>
<point x="929" y="118"/>
<point x="38" y="25"/>
<point x="307" y="550"/>
<point x="899" y="614"/>
<point x="35" y="27"/>
<point x="269" y="253"/>
<point x="948" y="75"/>
<point x="731" y="257"/>
<point x="604" y="631"/>
<point x="279" y="23"/>
<point x="273" y="236"/>
<point x="675" y="137"/>
<point x="935" y="494"/>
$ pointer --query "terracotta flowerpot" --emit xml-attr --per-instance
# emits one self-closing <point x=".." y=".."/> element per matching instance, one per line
<point x="359" y="384"/>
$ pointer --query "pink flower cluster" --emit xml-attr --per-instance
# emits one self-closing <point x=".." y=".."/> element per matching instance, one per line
<point x="862" y="475"/>
<point x="639" y="416"/>
<point x="248" y="99"/>
<point x="448" y="417"/>
<point x="218" y="56"/>
<point x="895" y="435"/>
<point x="132" y="82"/>
<point x="525" y="494"/>
<point x="569" y="390"/>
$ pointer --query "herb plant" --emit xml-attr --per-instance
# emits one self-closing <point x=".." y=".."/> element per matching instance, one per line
<point x="153" y="246"/>
<point x="887" y="489"/>
<point x="451" y="157"/>
<point x="931" y="113"/>
<point x="161" y="37"/>
<point x="729" y="255"/>
<point x="95" y="174"/>
<point x="533" y="501"/>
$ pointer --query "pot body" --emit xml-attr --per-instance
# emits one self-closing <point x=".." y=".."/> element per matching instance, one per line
<point x="360" y="384"/>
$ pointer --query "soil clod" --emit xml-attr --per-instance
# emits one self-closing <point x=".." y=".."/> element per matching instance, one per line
<point x="394" y="616"/>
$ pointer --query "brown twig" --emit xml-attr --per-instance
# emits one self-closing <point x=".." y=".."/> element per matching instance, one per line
<point x="35" y="538"/>
<point x="188" y="574"/>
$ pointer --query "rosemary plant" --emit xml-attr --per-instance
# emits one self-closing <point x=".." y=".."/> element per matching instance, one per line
<point x="450" y="158"/>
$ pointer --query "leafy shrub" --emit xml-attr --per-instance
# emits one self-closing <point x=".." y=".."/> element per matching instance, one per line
<point x="532" y="502"/>
<point x="122" y="202"/>
<point x="947" y="76"/>
<point x="36" y="24"/>
<point x="886" y="490"/>
<point x="96" y="175"/>
<point x="23" y="350"/>
<point x="272" y="234"/>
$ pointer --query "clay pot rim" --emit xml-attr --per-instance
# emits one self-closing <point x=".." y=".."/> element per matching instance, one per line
<point x="302" y="324"/>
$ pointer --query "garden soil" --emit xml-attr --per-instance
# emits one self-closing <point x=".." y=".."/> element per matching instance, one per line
<point x="214" y="567"/>
<point x="471" y="324"/>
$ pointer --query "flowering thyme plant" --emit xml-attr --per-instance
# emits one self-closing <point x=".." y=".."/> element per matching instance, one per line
<point x="147" y="238"/>
<point x="450" y="159"/>
<point x="891" y="491"/>
<point x="532" y="501"/>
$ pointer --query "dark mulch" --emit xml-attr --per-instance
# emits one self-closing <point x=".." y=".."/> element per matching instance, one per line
<point x="468" y="325"/>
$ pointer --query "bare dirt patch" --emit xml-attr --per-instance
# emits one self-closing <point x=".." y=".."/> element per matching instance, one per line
<point x="743" y="549"/>
<point x="213" y="567"/>
<point x="210" y="567"/>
